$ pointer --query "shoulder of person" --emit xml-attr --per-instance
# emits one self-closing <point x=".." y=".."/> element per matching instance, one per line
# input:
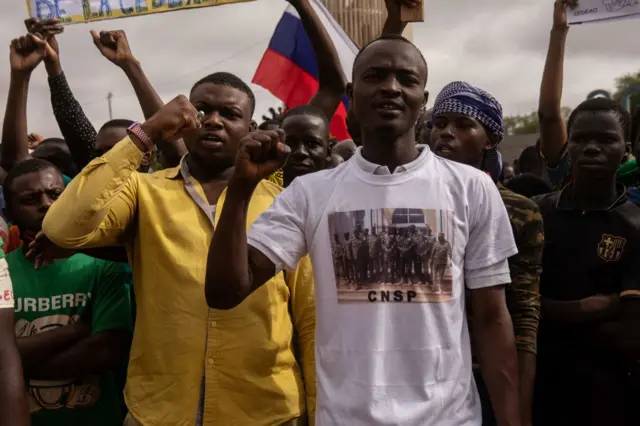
<point x="548" y="201"/>
<point x="630" y="213"/>
<point x="168" y="173"/>
<point x="81" y="260"/>
<point x="459" y="170"/>
<point x="520" y="207"/>
<point x="268" y="187"/>
<point x="473" y="180"/>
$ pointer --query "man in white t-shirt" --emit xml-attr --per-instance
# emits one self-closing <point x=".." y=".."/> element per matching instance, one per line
<point x="391" y="352"/>
<point x="13" y="402"/>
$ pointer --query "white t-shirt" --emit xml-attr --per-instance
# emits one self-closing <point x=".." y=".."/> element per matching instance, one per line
<point x="392" y="342"/>
<point x="6" y="288"/>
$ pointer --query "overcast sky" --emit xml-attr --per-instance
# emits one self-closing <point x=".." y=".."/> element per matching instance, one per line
<point x="498" y="45"/>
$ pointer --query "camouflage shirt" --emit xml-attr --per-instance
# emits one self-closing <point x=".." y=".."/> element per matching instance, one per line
<point x="523" y="293"/>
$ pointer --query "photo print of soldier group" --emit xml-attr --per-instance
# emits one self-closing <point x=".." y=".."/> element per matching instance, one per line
<point x="392" y="255"/>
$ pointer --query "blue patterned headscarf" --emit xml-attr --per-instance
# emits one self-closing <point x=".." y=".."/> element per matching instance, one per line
<point x="463" y="98"/>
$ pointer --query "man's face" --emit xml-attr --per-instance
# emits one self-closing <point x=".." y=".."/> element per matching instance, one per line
<point x="227" y="120"/>
<point x="308" y="138"/>
<point x="388" y="88"/>
<point x="31" y="196"/>
<point x="441" y="237"/>
<point x="459" y="138"/>
<point x="596" y="143"/>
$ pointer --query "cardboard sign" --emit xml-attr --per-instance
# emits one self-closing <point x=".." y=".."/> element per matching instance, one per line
<point x="74" y="11"/>
<point x="412" y="14"/>
<point x="603" y="10"/>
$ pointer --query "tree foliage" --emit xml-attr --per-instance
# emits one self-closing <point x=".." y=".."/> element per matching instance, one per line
<point x="623" y="83"/>
<point x="526" y="124"/>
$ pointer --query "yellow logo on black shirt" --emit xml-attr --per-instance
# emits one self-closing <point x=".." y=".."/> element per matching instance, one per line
<point x="610" y="247"/>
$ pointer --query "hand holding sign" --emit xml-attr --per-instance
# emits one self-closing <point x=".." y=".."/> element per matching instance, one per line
<point x="27" y="52"/>
<point x="560" y="13"/>
<point x="114" y="46"/>
<point x="261" y="154"/>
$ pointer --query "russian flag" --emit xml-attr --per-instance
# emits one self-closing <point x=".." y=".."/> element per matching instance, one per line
<point x="289" y="69"/>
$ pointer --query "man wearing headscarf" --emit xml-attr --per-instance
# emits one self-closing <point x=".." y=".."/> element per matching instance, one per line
<point x="467" y="127"/>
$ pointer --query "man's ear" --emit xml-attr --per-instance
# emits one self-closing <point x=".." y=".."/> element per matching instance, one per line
<point x="349" y="91"/>
<point x="426" y="98"/>
<point x="253" y="126"/>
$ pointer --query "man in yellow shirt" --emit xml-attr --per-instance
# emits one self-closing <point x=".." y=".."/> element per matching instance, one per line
<point x="189" y="363"/>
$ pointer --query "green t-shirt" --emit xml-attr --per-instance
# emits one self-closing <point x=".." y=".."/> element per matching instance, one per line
<point x="55" y="296"/>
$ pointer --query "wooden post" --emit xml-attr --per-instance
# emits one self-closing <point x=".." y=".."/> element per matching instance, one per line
<point x="415" y="14"/>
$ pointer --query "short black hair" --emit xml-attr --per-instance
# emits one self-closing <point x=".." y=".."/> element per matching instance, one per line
<point x="118" y="122"/>
<point x="231" y="80"/>
<point x="60" y="156"/>
<point x="386" y="37"/>
<point x="528" y="185"/>
<point x="529" y="160"/>
<point x="306" y="110"/>
<point x="31" y="165"/>
<point x="53" y="141"/>
<point x="604" y="105"/>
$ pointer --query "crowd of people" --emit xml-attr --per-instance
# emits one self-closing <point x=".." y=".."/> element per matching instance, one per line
<point x="199" y="268"/>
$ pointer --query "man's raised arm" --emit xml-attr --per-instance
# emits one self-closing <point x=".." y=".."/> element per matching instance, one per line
<point x="234" y="268"/>
<point x="97" y="206"/>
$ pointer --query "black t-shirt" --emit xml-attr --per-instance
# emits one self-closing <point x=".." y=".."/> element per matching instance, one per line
<point x="586" y="253"/>
<point x="589" y="252"/>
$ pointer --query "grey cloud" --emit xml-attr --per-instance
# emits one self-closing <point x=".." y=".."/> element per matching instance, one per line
<point x="499" y="45"/>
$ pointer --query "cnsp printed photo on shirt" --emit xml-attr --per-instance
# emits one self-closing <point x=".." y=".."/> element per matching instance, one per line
<point x="387" y="255"/>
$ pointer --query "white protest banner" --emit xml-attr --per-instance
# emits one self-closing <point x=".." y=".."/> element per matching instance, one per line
<point x="603" y="10"/>
<point x="74" y="11"/>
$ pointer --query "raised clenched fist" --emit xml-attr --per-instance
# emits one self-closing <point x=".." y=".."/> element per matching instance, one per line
<point x="261" y="154"/>
<point x="172" y="121"/>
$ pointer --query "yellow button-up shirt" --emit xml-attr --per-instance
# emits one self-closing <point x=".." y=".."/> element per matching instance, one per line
<point x="246" y="354"/>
